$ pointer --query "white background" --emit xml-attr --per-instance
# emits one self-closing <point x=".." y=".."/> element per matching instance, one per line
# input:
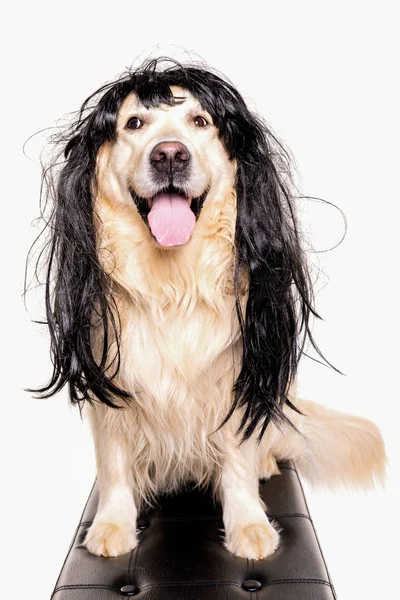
<point x="324" y="75"/>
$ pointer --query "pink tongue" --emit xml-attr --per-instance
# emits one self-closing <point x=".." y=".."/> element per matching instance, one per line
<point x="171" y="220"/>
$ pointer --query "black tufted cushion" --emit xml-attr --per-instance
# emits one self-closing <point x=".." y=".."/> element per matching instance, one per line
<point x="180" y="554"/>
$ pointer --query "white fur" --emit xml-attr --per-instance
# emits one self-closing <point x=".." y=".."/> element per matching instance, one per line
<point x="181" y="353"/>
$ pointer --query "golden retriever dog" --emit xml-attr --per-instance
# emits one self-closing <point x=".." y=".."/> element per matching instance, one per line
<point x="179" y="303"/>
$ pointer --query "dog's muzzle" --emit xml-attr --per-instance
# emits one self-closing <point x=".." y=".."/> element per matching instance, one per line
<point x="171" y="214"/>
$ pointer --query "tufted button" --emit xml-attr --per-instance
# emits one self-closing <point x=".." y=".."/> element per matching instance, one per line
<point x="142" y="524"/>
<point x="130" y="590"/>
<point x="251" y="585"/>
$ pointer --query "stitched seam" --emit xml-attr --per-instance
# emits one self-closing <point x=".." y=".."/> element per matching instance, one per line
<point x="73" y="540"/>
<point x="183" y="519"/>
<point x="130" y="560"/>
<point x="316" y="537"/>
<point x="86" y="586"/>
<point x="146" y="587"/>
<point x="282" y="581"/>
<point x="140" y="536"/>
<point x="191" y="583"/>
<point x="254" y="576"/>
<point x="234" y="583"/>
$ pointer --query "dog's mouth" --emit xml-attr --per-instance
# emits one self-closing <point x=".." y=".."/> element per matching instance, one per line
<point x="170" y="215"/>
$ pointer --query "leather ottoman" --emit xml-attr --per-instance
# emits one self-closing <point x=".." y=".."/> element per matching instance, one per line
<point x="180" y="554"/>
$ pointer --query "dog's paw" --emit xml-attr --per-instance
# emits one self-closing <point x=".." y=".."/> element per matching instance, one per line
<point x="110" y="539"/>
<point x="268" y="467"/>
<point x="255" y="540"/>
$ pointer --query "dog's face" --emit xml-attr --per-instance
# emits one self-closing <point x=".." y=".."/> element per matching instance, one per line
<point x="171" y="160"/>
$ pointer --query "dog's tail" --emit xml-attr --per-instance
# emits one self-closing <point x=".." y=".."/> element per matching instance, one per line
<point x="335" y="449"/>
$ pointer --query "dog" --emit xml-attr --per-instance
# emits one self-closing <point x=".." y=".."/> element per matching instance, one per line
<point x="179" y="302"/>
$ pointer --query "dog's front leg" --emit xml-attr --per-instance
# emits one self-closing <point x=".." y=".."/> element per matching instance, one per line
<point x="113" y="531"/>
<point x="248" y="533"/>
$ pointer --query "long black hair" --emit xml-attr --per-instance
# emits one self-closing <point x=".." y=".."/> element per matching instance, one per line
<point x="276" y="324"/>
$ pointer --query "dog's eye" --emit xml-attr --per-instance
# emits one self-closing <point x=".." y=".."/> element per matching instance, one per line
<point x="134" y="123"/>
<point x="200" y="121"/>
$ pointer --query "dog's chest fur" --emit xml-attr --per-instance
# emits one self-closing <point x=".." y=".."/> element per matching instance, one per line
<point x="181" y="371"/>
<point x="170" y="357"/>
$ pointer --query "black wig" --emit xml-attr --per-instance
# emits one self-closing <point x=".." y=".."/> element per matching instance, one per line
<point x="276" y="325"/>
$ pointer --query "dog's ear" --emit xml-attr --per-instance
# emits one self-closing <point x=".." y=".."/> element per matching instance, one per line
<point x="280" y="300"/>
<point x="79" y="301"/>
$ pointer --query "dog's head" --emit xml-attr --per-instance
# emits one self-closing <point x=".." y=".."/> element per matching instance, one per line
<point x="159" y="146"/>
<point x="168" y="158"/>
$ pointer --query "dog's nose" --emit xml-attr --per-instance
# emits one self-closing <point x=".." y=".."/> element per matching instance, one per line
<point x="170" y="156"/>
